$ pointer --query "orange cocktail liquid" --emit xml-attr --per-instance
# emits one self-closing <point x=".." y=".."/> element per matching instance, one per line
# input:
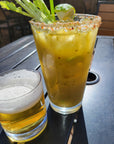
<point x="65" y="56"/>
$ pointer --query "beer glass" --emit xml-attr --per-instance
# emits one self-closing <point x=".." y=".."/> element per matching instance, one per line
<point x="65" y="51"/>
<point x="22" y="105"/>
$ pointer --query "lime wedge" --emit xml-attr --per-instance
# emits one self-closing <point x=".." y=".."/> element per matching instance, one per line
<point x="65" y="11"/>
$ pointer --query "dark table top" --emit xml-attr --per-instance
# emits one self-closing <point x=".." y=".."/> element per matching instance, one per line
<point x="94" y="123"/>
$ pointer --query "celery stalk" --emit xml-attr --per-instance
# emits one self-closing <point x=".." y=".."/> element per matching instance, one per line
<point x="38" y="15"/>
<point x="42" y="6"/>
<point x="52" y="9"/>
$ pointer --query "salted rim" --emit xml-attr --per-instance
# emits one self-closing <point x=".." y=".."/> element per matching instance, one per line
<point x="82" y="22"/>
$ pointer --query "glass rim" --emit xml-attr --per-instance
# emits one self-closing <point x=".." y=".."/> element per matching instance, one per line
<point x="2" y="74"/>
<point x="92" y="21"/>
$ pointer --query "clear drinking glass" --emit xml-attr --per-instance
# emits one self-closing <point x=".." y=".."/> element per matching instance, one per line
<point x="22" y="105"/>
<point x="65" y="51"/>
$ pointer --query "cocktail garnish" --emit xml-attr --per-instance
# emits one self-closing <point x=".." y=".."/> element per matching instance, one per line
<point x="52" y="9"/>
<point x="38" y="10"/>
<point x="65" y="11"/>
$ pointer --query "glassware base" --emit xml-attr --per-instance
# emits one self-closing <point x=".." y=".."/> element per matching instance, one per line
<point x="24" y="137"/>
<point x="66" y="110"/>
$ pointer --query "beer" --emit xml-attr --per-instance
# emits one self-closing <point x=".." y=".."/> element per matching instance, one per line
<point x="65" y="52"/>
<point x="22" y="104"/>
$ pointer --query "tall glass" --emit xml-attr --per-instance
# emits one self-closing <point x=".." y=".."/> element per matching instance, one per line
<point x="22" y="106"/>
<point x="65" y="51"/>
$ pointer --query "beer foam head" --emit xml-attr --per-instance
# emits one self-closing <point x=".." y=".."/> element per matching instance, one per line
<point x="19" y="90"/>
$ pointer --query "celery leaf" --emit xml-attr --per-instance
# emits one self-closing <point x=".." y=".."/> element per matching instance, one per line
<point x="11" y="6"/>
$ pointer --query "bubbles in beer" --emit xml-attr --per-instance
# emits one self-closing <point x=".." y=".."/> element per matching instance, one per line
<point x="19" y="91"/>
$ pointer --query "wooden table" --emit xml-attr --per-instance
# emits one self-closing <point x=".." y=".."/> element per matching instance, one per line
<point x="94" y="123"/>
